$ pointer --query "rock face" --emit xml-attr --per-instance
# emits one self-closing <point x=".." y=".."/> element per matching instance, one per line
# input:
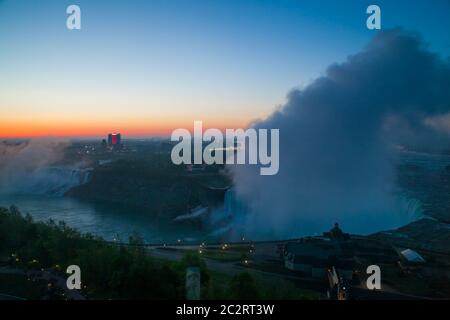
<point x="425" y="234"/>
<point x="426" y="178"/>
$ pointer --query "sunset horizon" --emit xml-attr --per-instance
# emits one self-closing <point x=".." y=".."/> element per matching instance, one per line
<point x="128" y="69"/>
<point x="217" y="158"/>
<point x="98" y="129"/>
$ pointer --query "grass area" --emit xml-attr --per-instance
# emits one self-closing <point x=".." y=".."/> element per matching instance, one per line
<point x="228" y="253"/>
<point x="217" y="254"/>
<point x="415" y="283"/>
<point x="19" y="286"/>
<point x="222" y="255"/>
<point x="268" y="289"/>
<point x="405" y="283"/>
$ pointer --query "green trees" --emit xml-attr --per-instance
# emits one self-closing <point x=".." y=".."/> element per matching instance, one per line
<point x="107" y="271"/>
<point x="121" y="272"/>
<point x="243" y="287"/>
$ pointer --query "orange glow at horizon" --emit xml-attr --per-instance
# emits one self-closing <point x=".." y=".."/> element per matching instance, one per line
<point x="71" y="129"/>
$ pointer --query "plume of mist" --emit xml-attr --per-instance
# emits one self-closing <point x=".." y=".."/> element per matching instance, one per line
<point x="22" y="164"/>
<point x="338" y="137"/>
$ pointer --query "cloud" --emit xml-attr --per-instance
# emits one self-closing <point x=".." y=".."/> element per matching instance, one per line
<point x="337" y="137"/>
<point x="19" y="162"/>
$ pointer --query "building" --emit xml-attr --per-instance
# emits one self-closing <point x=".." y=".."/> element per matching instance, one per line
<point x="336" y="233"/>
<point x="114" y="139"/>
<point x="411" y="257"/>
<point x="315" y="256"/>
<point x="307" y="258"/>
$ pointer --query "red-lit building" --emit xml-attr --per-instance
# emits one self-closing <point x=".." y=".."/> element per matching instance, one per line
<point x="114" y="139"/>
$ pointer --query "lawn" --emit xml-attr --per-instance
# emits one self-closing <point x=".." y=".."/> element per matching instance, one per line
<point x="222" y="255"/>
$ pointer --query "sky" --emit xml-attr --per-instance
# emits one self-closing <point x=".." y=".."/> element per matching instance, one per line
<point x="144" y="68"/>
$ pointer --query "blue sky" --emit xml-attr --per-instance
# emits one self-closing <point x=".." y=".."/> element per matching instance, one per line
<point x="169" y="62"/>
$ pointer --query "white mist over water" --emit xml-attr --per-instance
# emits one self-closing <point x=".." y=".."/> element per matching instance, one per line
<point x="48" y="181"/>
<point x="29" y="168"/>
<point x="338" y="139"/>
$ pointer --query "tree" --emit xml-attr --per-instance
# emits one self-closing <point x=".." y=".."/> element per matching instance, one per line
<point x="243" y="287"/>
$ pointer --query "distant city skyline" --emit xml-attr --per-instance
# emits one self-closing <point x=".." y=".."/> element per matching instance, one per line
<point x="144" y="68"/>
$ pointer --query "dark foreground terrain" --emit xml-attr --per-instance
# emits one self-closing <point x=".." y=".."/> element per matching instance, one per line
<point x="34" y="256"/>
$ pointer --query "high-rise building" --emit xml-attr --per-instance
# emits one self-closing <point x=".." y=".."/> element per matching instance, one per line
<point x="114" y="139"/>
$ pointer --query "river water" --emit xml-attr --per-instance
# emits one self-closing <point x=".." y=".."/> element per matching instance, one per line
<point x="427" y="182"/>
<point x="108" y="221"/>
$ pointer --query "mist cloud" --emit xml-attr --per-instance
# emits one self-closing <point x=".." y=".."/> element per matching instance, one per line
<point x="20" y="163"/>
<point x="338" y="136"/>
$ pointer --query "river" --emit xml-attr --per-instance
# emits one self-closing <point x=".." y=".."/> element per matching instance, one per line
<point x="425" y="179"/>
<point x="108" y="221"/>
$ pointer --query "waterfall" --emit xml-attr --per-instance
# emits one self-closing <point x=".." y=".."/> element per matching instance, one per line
<point x="234" y="205"/>
<point x="54" y="181"/>
<point x="413" y="209"/>
<point x="229" y="218"/>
